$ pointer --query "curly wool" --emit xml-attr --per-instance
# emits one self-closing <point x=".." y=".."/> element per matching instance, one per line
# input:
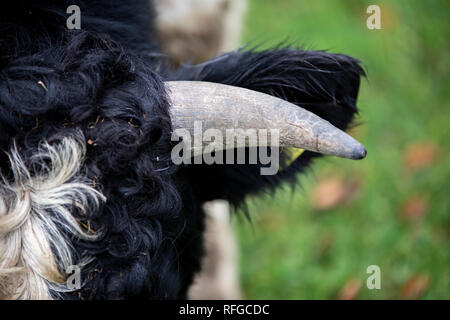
<point x="120" y="105"/>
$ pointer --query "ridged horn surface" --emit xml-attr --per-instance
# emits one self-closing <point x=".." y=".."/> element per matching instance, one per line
<point x="222" y="107"/>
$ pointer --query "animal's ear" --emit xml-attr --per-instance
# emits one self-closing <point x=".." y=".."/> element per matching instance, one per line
<point x="323" y="83"/>
<point x="326" y="84"/>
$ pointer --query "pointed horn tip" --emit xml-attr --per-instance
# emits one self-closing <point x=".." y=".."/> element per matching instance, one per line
<point x="359" y="153"/>
<point x="345" y="146"/>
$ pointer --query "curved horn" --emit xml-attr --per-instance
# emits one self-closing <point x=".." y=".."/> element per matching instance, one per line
<point x="225" y="107"/>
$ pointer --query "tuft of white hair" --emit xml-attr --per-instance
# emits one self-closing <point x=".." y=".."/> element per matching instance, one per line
<point x="37" y="219"/>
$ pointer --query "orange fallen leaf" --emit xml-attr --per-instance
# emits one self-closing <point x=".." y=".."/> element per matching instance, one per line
<point x="414" y="207"/>
<point x="350" y="290"/>
<point x="420" y="155"/>
<point x="389" y="17"/>
<point x="334" y="191"/>
<point x="415" y="286"/>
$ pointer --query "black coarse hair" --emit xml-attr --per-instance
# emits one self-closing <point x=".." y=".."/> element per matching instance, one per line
<point x="107" y="81"/>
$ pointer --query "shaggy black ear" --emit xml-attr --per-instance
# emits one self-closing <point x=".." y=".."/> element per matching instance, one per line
<point x="324" y="83"/>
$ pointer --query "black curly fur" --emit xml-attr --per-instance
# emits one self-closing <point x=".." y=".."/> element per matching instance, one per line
<point x="107" y="80"/>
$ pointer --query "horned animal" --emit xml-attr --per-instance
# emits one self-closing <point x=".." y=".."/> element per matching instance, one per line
<point x="90" y="119"/>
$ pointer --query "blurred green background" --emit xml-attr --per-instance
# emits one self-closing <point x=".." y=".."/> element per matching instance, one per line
<point x="391" y="209"/>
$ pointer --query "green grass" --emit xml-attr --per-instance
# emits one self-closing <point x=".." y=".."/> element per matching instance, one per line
<point x="290" y="250"/>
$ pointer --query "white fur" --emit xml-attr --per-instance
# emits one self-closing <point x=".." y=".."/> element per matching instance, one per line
<point x="35" y="207"/>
